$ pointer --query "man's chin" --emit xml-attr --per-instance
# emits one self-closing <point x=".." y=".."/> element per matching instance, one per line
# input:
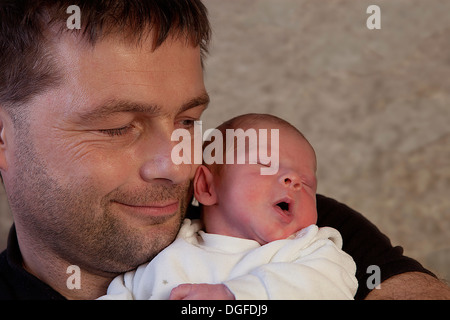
<point x="148" y="239"/>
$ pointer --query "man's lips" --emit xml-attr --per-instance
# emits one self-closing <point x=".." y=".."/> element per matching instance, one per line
<point x="154" y="209"/>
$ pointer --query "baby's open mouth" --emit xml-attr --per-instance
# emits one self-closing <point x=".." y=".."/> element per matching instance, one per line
<point x="283" y="206"/>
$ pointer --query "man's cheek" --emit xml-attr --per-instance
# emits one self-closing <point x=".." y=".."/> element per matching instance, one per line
<point x="77" y="162"/>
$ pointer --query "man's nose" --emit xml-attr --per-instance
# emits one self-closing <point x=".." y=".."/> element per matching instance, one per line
<point x="291" y="180"/>
<point x="158" y="164"/>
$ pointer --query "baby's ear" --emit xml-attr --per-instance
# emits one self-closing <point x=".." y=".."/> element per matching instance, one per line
<point x="204" y="190"/>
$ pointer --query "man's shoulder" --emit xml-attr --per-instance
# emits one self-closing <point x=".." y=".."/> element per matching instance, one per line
<point x="5" y="287"/>
<point x="365" y="243"/>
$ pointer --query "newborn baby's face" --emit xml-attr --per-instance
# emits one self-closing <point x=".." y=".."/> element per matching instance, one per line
<point x="271" y="207"/>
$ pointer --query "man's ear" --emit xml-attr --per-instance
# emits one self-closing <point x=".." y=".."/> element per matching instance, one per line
<point x="204" y="190"/>
<point x="3" y="165"/>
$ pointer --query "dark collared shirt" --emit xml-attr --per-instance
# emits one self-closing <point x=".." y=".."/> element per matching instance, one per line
<point x="15" y="282"/>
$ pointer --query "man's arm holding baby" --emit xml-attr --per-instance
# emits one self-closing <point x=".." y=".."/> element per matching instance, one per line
<point x="401" y="277"/>
<point x="406" y="286"/>
<point x="411" y="286"/>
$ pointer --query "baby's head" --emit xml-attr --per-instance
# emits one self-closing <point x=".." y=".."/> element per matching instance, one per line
<point x="237" y="200"/>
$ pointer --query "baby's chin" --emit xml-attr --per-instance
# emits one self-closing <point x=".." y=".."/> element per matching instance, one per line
<point x="274" y="237"/>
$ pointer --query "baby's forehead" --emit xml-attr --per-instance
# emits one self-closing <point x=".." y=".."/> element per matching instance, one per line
<point x="285" y="136"/>
<point x="262" y="127"/>
<point x="287" y="133"/>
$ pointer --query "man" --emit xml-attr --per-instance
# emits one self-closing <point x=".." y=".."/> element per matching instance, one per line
<point x="86" y="118"/>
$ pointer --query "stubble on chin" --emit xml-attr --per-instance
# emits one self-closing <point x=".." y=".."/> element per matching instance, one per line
<point x="77" y="224"/>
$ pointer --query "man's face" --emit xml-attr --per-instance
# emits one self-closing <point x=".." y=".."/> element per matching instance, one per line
<point x="92" y="177"/>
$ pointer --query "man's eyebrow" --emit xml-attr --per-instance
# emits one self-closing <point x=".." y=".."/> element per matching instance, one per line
<point x="116" y="106"/>
<point x="202" y="99"/>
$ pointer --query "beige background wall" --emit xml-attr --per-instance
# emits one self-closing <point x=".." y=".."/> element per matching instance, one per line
<point x="375" y="104"/>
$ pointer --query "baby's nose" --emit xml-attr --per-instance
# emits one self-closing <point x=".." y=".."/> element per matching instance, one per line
<point x="291" y="181"/>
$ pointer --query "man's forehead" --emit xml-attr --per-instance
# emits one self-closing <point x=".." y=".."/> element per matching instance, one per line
<point x="115" y="76"/>
<point x="72" y="49"/>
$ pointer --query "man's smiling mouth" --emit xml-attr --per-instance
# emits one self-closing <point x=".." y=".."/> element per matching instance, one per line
<point x="151" y="209"/>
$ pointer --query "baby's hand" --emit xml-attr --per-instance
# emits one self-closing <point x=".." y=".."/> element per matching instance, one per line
<point x="201" y="291"/>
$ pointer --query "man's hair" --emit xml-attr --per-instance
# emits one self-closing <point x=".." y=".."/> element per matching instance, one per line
<point x="29" y="27"/>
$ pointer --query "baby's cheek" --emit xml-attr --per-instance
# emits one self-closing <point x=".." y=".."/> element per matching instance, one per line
<point x="309" y="214"/>
<point x="310" y="219"/>
<point x="247" y="193"/>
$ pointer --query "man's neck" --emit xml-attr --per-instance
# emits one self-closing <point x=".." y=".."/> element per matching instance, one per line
<point x="72" y="282"/>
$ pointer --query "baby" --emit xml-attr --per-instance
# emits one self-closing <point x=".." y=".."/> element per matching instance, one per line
<point x="256" y="238"/>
